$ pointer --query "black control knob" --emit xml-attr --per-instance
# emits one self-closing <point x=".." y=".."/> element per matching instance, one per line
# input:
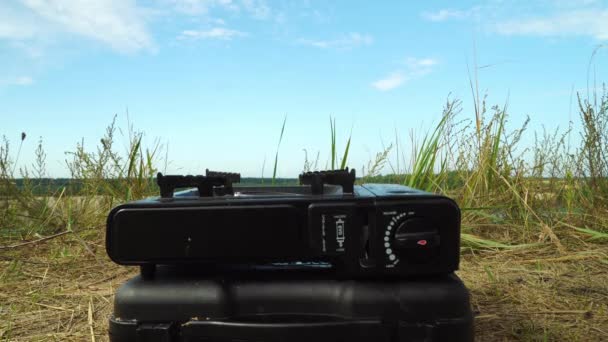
<point x="416" y="239"/>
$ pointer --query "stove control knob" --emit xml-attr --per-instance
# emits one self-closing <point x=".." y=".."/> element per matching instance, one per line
<point x="416" y="240"/>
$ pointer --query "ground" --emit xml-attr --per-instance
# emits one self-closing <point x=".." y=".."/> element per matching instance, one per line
<point x="62" y="290"/>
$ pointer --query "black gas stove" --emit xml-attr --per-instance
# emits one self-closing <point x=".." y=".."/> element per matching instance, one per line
<point x="325" y="224"/>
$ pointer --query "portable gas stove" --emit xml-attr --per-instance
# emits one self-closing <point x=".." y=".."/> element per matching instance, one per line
<point x="327" y="223"/>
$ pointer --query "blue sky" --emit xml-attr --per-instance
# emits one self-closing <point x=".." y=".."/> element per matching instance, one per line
<point x="213" y="79"/>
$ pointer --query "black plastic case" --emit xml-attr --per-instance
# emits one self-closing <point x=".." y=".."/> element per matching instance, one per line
<point x="172" y="307"/>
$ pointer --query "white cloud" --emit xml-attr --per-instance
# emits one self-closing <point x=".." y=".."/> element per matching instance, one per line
<point x="572" y="23"/>
<point x="414" y="68"/>
<point x="418" y="67"/>
<point x="420" y="62"/>
<point x="258" y="9"/>
<point x="217" y="21"/>
<point x="389" y="82"/>
<point x="446" y="14"/>
<point x="34" y="25"/>
<point x="214" y="33"/>
<point x="17" y="81"/>
<point x="14" y="26"/>
<point x="191" y="7"/>
<point x="23" y="80"/>
<point x="553" y="18"/>
<point x="197" y="7"/>
<point x="349" y="41"/>
<point x="117" y="23"/>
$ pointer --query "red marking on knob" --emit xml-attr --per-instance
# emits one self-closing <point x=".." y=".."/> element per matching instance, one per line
<point x="422" y="242"/>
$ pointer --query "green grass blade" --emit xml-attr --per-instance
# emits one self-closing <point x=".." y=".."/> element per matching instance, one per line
<point x="425" y="157"/>
<point x="332" y="126"/>
<point x="263" y="166"/>
<point x="345" y="156"/>
<point x="276" y="157"/>
<point x="595" y="235"/>
<point x="133" y="156"/>
<point x="473" y="241"/>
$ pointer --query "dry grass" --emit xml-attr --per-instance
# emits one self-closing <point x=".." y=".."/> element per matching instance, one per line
<point x="539" y="295"/>
<point x="48" y="290"/>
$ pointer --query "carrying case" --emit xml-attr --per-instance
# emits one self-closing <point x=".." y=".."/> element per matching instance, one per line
<point x="173" y="307"/>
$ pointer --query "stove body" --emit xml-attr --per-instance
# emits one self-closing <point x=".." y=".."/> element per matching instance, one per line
<point x="327" y="224"/>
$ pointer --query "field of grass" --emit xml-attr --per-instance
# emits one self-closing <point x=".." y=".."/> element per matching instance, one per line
<point x="534" y="229"/>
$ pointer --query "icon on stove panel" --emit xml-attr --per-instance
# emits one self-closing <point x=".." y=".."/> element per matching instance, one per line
<point x="340" y="234"/>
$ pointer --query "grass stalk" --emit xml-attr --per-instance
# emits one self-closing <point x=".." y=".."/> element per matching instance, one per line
<point x="276" y="156"/>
